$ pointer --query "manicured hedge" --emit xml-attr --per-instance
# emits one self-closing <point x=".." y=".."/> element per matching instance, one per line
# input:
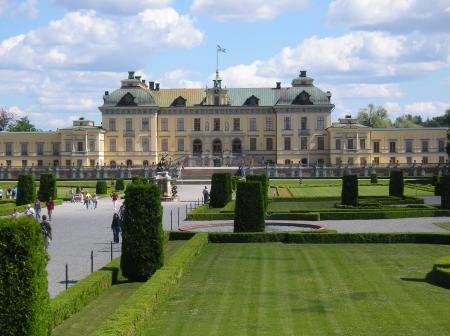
<point x="349" y="194"/>
<point x="396" y="183"/>
<point x="181" y="235"/>
<point x="211" y="216"/>
<point x="373" y="178"/>
<point x="249" y="214"/>
<point x="264" y="180"/>
<point x="24" y="299"/>
<point x="131" y="316"/>
<point x="143" y="241"/>
<point x="76" y="297"/>
<point x="441" y="272"/>
<point x="47" y="187"/>
<point x="26" y="189"/>
<point x="309" y="216"/>
<point x="139" y="179"/>
<point x="383" y="214"/>
<point x="101" y="187"/>
<point x="445" y="192"/>
<point x="220" y="190"/>
<point x="120" y="184"/>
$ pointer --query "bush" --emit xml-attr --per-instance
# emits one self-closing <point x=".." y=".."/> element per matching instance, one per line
<point x="142" y="243"/>
<point x="234" y="182"/>
<point x="438" y="189"/>
<point x="211" y="216"/>
<point x="373" y="178"/>
<point x="141" y="305"/>
<point x="249" y="211"/>
<point x="383" y="214"/>
<point x="436" y="179"/>
<point x="445" y="192"/>
<point x="220" y="190"/>
<point x="120" y="184"/>
<point x="139" y="179"/>
<point x="26" y="189"/>
<point x="264" y="180"/>
<point x="101" y="188"/>
<point x="349" y="194"/>
<point x="396" y="184"/>
<point x="310" y="216"/>
<point x="47" y="187"/>
<point x="24" y="308"/>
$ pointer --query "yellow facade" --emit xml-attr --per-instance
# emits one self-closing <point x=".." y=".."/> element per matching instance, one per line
<point x="223" y="127"/>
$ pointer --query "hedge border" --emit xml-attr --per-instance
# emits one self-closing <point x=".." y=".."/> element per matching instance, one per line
<point x="440" y="274"/>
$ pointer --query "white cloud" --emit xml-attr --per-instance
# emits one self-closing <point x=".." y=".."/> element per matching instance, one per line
<point x="425" y="109"/>
<point x="113" y="6"/>
<point x="29" y="8"/>
<point x="370" y="91"/>
<point x="179" y="78"/>
<point x="250" y="75"/>
<point x="249" y="10"/>
<point x="84" y="40"/>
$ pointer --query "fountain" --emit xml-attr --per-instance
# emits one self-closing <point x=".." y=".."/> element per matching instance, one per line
<point x="165" y="181"/>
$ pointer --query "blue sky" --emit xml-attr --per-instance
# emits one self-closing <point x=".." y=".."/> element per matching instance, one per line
<point x="57" y="57"/>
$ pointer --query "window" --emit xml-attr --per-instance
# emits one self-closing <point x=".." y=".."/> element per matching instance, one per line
<point x="216" y="124"/>
<point x="145" y="163"/>
<point x="145" y="124"/>
<point x="338" y="161"/>
<point x="40" y="163"/>
<point x="408" y="146"/>
<point x="112" y="145"/>
<point x="216" y="100"/>
<point x="338" y="144"/>
<point x="180" y="144"/>
<point x="425" y="160"/>
<point x="303" y="143"/>
<point x="253" y="144"/>
<point x="287" y="162"/>
<point x="8" y="163"/>
<point x="287" y="143"/>
<point x="92" y="146"/>
<point x="350" y="144"/>
<point x="269" y="144"/>
<point x="424" y="146"/>
<point x="180" y="124"/>
<point x="112" y="124"/>
<point x="320" y="143"/>
<point x="68" y="146"/>
<point x="24" y="163"/>
<point x="80" y="146"/>
<point x="8" y="148"/>
<point x="112" y="164"/>
<point x="252" y="124"/>
<point x="392" y="147"/>
<point x="129" y="145"/>
<point x="392" y="159"/>
<point x="197" y="124"/>
<point x="128" y="124"/>
<point x="320" y="123"/>
<point x="56" y="148"/>
<point x="164" y="124"/>
<point x="350" y="161"/>
<point x="92" y="162"/>
<point x="376" y="147"/>
<point x="236" y="146"/>
<point x="362" y="143"/>
<point x="408" y="159"/>
<point x="441" y="159"/>
<point x="304" y="123"/>
<point x="236" y="124"/>
<point x="217" y="146"/>
<point x="165" y="145"/>
<point x="287" y="123"/>
<point x="197" y="147"/>
<point x="441" y="146"/>
<point x="40" y="148"/>
<point x="145" y="145"/>
<point x="24" y="148"/>
<point x="269" y="124"/>
<point x="362" y="161"/>
<point x="68" y="163"/>
<point x="56" y="163"/>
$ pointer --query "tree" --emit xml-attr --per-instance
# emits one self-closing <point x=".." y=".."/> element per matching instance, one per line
<point x="26" y="189"/>
<point x="396" y="183"/>
<point x="6" y="118"/>
<point x="249" y="213"/>
<point x="220" y="190"/>
<point x="47" y="187"/>
<point x="441" y="121"/>
<point x="22" y="125"/>
<point x="349" y="193"/>
<point x="374" y="117"/>
<point x="408" y="121"/>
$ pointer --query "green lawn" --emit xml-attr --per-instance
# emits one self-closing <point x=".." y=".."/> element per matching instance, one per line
<point x="445" y="226"/>
<point x="98" y="310"/>
<point x="328" y="289"/>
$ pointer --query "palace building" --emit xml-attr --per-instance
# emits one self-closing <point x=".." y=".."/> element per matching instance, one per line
<point x="220" y="126"/>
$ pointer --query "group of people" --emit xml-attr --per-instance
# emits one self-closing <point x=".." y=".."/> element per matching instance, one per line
<point x="89" y="201"/>
<point x="10" y="193"/>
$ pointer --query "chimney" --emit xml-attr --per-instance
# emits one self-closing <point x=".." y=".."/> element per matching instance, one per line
<point x="152" y="85"/>
<point x="156" y="86"/>
<point x="106" y="93"/>
<point x="130" y="74"/>
<point x="278" y="85"/>
<point x="329" y="95"/>
<point x="143" y="81"/>
<point x="303" y="73"/>
<point x="138" y="78"/>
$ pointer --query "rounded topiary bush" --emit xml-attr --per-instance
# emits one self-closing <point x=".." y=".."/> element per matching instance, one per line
<point x="220" y="190"/>
<point x="445" y="192"/>
<point x="396" y="184"/>
<point x="249" y="213"/>
<point x="47" y="187"/>
<point x="101" y="187"/>
<point x="26" y="189"/>
<point x="143" y="235"/>
<point x="349" y="194"/>
<point x="25" y="307"/>
<point x="120" y="184"/>
<point x="373" y="178"/>
<point x="265" y="186"/>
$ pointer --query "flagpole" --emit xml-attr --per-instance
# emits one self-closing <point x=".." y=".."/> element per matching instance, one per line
<point x="217" y="59"/>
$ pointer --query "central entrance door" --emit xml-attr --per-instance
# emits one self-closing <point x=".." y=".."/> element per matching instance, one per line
<point x="217" y="147"/>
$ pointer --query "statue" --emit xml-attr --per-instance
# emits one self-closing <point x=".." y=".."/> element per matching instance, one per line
<point x="174" y="190"/>
<point x="163" y="165"/>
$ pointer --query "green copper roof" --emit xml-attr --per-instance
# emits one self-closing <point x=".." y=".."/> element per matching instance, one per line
<point x="165" y="97"/>
<point x="142" y="97"/>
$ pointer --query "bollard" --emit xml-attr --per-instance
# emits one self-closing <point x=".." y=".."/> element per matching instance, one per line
<point x="92" y="261"/>
<point x="186" y="210"/>
<point x="178" y="216"/>
<point x="111" y="251"/>
<point x="171" y="217"/>
<point x="67" y="276"/>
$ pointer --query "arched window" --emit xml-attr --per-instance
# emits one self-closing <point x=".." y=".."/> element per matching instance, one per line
<point x="112" y="164"/>
<point x="129" y="163"/>
<point x="304" y="161"/>
<point x="145" y="163"/>
<point x="236" y="146"/>
<point x="217" y="146"/>
<point x="197" y="147"/>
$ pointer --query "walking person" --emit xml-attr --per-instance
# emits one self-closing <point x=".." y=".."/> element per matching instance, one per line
<point x="37" y="209"/>
<point x="94" y="201"/>
<point x="72" y="195"/>
<point x="115" y="226"/>
<point x="205" y="195"/>
<point x="47" y="231"/>
<point x="114" y="198"/>
<point x="87" y="200"/>
<point x="50" y="207"/>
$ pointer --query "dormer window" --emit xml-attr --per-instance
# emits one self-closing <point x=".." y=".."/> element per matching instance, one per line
<point x="179" y="102"/>
<point x="252" y="101"/>
<point x="127" y="100"/>
<point x="303" y="98"/>
<point x="216" y="100"/>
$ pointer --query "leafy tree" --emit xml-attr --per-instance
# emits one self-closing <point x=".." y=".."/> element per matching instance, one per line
<point x="22" y="125"/>
<point x="441" y="121"/>
<point x="6" y="118"/>
<point x="374" y="116"/>
<point x="408" y="121"/>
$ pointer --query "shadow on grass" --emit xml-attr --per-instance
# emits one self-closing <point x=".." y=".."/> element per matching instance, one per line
<point x="429" y="279"/>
